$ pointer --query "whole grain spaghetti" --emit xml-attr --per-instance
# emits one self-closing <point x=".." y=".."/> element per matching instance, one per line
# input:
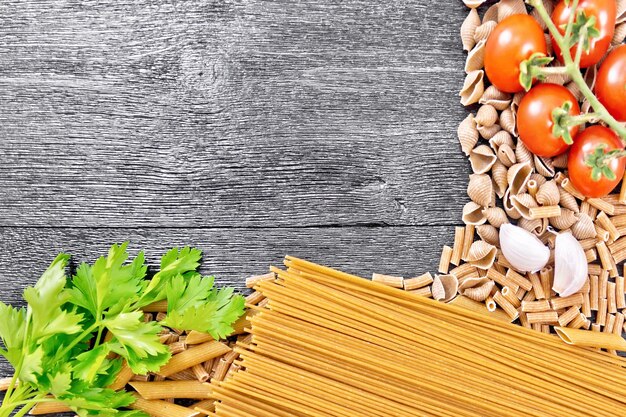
<point x="333" y="344"/>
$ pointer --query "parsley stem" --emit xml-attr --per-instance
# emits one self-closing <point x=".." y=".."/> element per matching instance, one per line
<point x="78" y="339"/>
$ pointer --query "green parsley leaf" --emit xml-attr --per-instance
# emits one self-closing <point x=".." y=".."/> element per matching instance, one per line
<point x="195" y="305"/>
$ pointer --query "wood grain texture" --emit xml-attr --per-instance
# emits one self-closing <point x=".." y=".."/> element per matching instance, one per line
<point x="230" y="113"/>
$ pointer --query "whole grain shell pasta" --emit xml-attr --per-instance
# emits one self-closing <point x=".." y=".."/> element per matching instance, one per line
<point x="483" y="31"/>
<point x="509" y="208"/>
<point x="566" y="220"/>
<point x="568" y="201"/>
<point x="518" y="176"/>
<point x="480" y="190"/>
<point x="467" y="133"/>
<point x="482" y="159"/>
<point x="488" y="132"/>
<point x="473" y="87"/>
<point x="473" y="214"/>
<point x="523" y="155"/>
<point x="471" y="22"/>
<point x="560" y="161"/>
<point x="535" y="226"/>
<point x="486" y="115"/>
<point x="476" y="58"/>
<point x="495" y="216"/>
<point x="445" y="287"/>
<point x="523" y="203"/>
<point x="496" y="98"/>
<point x="501" y="137"/>
<point x="548" y="194"/>
<point x="575" y="90"/>
<point x="584" y="227"/>
<point x="507" y="8"/>
<point x="539" y="179"/>
<point x="506" y="155"/>
<point x="507" y="121"/>
<point x="489" y="234"/>
<point x="479" y="292"/>
<point x="498" y="173"/>
<point x="491" y="14"/>
<point x="544" y="166"/>
<point x="481" y="254"/>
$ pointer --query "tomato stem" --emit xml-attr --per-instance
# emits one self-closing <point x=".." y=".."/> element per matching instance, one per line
<point x="572" y="64"/>
<point x="599" y="161"/>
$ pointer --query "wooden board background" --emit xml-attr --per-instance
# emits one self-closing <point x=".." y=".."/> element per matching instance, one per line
<point x="251" y="129"/>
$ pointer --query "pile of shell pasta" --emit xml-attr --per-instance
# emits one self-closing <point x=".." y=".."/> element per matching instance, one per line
<point x="511" y="185"/>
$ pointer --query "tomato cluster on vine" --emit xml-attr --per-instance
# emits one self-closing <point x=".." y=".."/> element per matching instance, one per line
<point x="549" y="117"/>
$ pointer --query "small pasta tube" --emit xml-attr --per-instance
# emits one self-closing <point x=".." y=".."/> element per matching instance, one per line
<point x="610" y="298"/>
<point x="591" y="255"/>
<point x="569" y="187"/>
<point x="593" y="292"/>
<point x="457" y="247"/>
<point x="605" y="255"/>
<point x="468" y="239"/>
<point x="389" y="280"/>
<point x="610" y="322"/>
<point x="506" y="306"/>
<point x="568" y="316"/>
<point x="523" y="319"/>
<point x="535" y="306"/>
<point x="418" y="282"/>
<point x="602" y="310"/>
<point x="444" y="260"/>
<point x="511" y="297"/>
<point x="594" y="269"/>
<point x="586" y="307"/>
<point x="620" y="296"/>
<point x="537" y="287"/>
<point x="464" y="270"/>
<point x="255" y="297"/>
<point x="544" y="212"/>
<point x="608" y="225"/>
<point x="545" y="275"/>
<point x="424" y="292"/>
<point x="160" y="408"/>
<point x="193" y="356"/>
<point x="205" y="406"/>
<point x="173" y="389"/>
<point x="602" y="205"/>
<point x="603" y="281"/>
<point x="564" y="302"/>
<point x="520" y="280"/>
<point x="543" y="317"/>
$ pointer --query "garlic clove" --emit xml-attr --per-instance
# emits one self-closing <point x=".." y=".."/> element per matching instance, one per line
<point x="524" y="251"/>
<point x="570" y="265"/>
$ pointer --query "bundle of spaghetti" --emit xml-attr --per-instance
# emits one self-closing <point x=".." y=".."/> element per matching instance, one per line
<point x="333" y="344"/>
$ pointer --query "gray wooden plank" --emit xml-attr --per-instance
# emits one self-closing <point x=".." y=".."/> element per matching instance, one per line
<point x="230" y="113"/>
<point x="230" y="254"/>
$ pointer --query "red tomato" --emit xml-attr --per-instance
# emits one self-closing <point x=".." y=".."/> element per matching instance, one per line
<point x="585" y="145"/>
<point x="605" y="13"/>
<point x="611" y="83"/>
<point x="514" y="40"/>
<point x="534" y="119"/>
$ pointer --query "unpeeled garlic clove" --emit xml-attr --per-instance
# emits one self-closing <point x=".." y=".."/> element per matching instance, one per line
<point x="522" y="249"/>
<point x="570" y="265"/>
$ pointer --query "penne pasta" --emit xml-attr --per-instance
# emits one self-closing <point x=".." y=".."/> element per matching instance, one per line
<point x="193" y="356"/>
<point x="608" y="225"/>
<point x="159" y="408"/>
<point x="591" y="339"/>
<point x="544" y="212"/>
<point x="611" y="302"/>
<point x="50" y="407"/>
<point x="564" y="302"/>
<point x="389" y="280"/>
<point x="586" y="307"/>
<point x="444" y="260"/>
<point x="543" y="317"/>
<point x="156" y="307"/>
<point x="468" y="239"/>
<point x="457" y="247"/>
<point x="593" y="292"/>
<point x="602" y="311"/>
<point x="569" y="315"/>
<point x="418" y="282"/>
<point x="172" y="389"/>
<point x="535" y="306"/>
<point x="508" y="308"/>
<point x="535" y="281"/>
<point x="424" y="292"/>
<point x="123" y="376"/>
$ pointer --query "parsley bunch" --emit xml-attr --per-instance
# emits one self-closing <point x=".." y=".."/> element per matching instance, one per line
<point x="57" y="345"/>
